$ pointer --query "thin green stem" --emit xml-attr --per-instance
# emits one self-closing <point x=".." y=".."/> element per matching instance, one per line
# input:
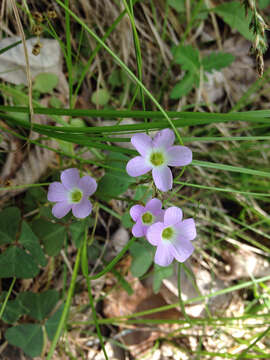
<point x="90" y="295"/>
<point x="65" y="312"/>
<point x="7" y="297"/>
<point x="123" y="66"/>
<point x="68" y="52"/>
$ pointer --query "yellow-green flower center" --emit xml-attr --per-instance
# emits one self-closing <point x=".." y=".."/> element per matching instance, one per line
<point x="167" y="233"/>
<point x="157" y="158"/>
<point x="76" y="196"/>
<point x="147" y="218"/>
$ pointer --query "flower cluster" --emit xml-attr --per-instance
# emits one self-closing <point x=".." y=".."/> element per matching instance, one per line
<point x="164" y="229"/>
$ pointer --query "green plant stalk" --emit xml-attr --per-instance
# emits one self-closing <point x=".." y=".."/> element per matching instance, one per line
<point x="84" y="264"/>
<point x="213" y="188"/>
<point x="136" y="45"/>
<point x="94" y="53"/>
<point x="67" y="305"/>
<point x="7" y="297"/>
<point x="68" y="52"/>
<point x="124" y="67"/>
<point x="258" y="116"/>
<point x="230" y="289"/>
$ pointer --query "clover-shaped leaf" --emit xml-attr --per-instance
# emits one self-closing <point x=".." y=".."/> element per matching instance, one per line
<point x="28" y="337"/>
<point x="15" y="262"/>
<point x="9" y="223"/>
<point x="38" y="306"/>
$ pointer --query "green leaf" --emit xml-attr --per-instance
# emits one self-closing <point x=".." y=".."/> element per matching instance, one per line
<point x="100" y="97"/>
<point x="9" y="223"/>
<point x="29" y="240"/>
<point x="217" y="61"/>
<point x="12" y="312"/>
<point x="178" y="5"/>
<point x="52" y="235"/>
<point x="261" y="3"/>
<point x="116" y="181"/>
<point x="233" y="14"/>
<point x="143" y="193"/>
<point x="39" y="305"/>
<point x="16" y="262"/>
<point x="45" y="82"/>
<point x="28" y="337"/>
<point x="126" y="220"/>
<point x="115" y="79"/>
<point x="161" y="273"/>
<point x="52" y="323"/>
<point x="142" y="257"/>
<point x="188" y="57"/>
<point x="183" y="87"/>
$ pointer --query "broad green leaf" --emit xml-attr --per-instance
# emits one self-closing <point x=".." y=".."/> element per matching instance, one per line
<point x="161" y="273"/>
<point x="9" y="222"/>
<point x="142" y="257"/>
<point x="115" y="79"/>
<point x="217" y="61"/>
<point x="52" y="323"/>
<point x="188" y="57"/>
<point x="16" y="262"/>
<point x="28" y="337"/>
<point x="178" y="5"/>
<point x="100" y="97"/>
<point x="233" y="13"/>
<point x="183" y="87"/>
<point x="12" y="311"/>
<point x="39" y="305"/>
<point x="126" y="220"/>
<point x="52" y="235"/>
<point x="45" y="82"/>
<point x="116" y="181"/>
<point x="30" y="241"/>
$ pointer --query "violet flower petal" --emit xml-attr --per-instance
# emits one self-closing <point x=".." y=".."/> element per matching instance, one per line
<point x="179" y="156"/>
<point x="163" y="256"/>
<point x="153" y="205"/>
<point x="136" y="211"/>
<point x="70" y="178"/>
<point x="142" y="143"/>
<point x="187" y="229"/>
<point x="82" y="209"/>
<point x="61" y="209"/>
<point x="88" y="185"/>
<point x="164" y="138"/>
<point x="57" y="192"/>
<point x="182" y="249"/>
<point x="137" y="166"/>
<point x="153" y="234"/>
<point x="173" y="215"/>
<point x="162" y="178"/>
<point x="138" y="229"/>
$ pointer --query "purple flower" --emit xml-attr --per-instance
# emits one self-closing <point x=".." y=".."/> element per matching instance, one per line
<point x="72" y="194"/>
<point x="172" y="237"/>
<point x="144" y="216"/>
<point x="157" y="155"/>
